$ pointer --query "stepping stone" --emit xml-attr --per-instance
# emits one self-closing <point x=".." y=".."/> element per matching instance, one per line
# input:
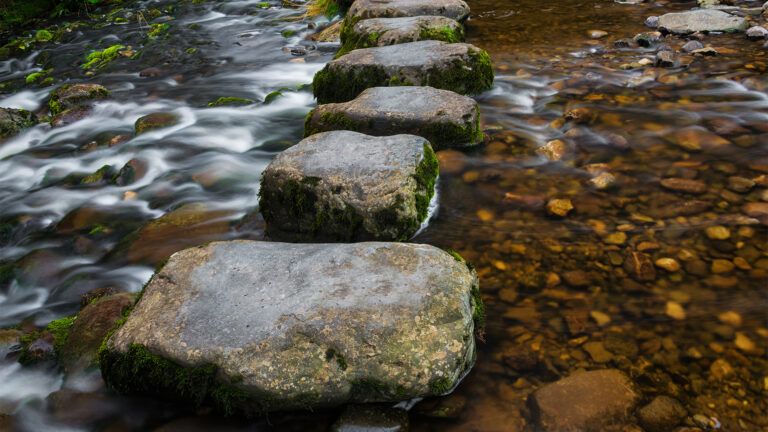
<point x="257" y="326"/>
<point x="458" y="67"/>
<point x="583" y="401"/>
<point x="701" y="20"/>
<point x="346" y="186"/>
<point x="365" y="9"/>
<point x="445" y="118"/>
<point x="392" y="31"/>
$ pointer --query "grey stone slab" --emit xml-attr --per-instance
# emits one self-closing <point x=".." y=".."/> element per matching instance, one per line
<point x="702" y="20"/>
<point x="445" y="118"/>
<point x="256" y="326"/>
<point x="364" y="9"/>
<point x="392" y="31"/>
<point x="347" y="186"/>
<point x="459" y="67"/>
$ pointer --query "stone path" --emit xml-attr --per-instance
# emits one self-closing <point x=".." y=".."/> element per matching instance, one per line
<point x="258" y="326"/>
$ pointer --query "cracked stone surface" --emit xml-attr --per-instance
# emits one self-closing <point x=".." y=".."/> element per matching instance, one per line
<point x="702" y="20"/>
<point x="364" y="9"/>
<point x="310" y="325"/>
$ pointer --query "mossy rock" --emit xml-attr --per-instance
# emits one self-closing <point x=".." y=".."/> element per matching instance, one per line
<point x="72" y="95"/>
<point x="230" y="101"/>
<point x="401" y="316"/>
<point x="446" y="119"/>
<point x="459" y="67"/>
<point x="347" y="186"/>
<point x="13" y="121"/>
<point x="457" y="10"/>
<point x="391" y="31"/>
<point x="154" y="121"/>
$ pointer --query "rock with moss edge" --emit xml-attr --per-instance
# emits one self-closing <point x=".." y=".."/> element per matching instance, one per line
<point x="75" y="95"/>
<point x="356" y="323"/>
<point x="391" y="31"/>
<point x="365" y="9"/>
<point x="154" y="121"/>
<point x="445" y="118"/>
<point x="459" y="67"/>
<point x="13" y="121"/>
<point x="347" y="186"/>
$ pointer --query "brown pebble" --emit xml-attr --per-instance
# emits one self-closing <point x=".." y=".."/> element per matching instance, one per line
<point x="640" y="266"/>
<point x="577" y="278"/>
<point x="684" y="185"/>
<point x="559" y="207"/>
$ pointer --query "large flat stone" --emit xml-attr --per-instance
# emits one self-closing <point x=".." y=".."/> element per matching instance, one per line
<point x="459" y="67"/>
<point x="392" y="31"/>
<point x="254" y="326"/>
<point x="702" y="20"/>
<point x="364" y="9"/>
<point x="346" y="186"/>
<point x="445" y="118"/>
<point x="586" y="401"/>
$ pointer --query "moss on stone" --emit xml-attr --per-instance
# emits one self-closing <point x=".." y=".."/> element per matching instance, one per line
<point x="56" y="106"/>
<point x="329" y="121"/>
<point x="449" y="134"/>
<point x="345" y="84"/>
<point x="230" y="101"/>
<point x="441" y="386"/>
<point x="60" y="330"/>
<point x="475" y="79"/>
<point x="443" y="33"/>
<point x="426" y="177"/>
<point x="158" y="30"/>
<point x="100" y="59"/>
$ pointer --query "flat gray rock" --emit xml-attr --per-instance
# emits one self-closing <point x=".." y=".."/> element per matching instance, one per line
<point x="702" y="20"/>
<point x="459" y="67"/>
<point x="445" y="118"/>
<point x="391" y="31"/>
<point x="346" y="186"/>
<point x="364" y="9"/>
<point x="586" y="401"/>
<point x="256" y="326"/>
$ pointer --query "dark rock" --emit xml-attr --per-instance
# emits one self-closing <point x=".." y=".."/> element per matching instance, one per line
<point x="577" y="278"/>
<point x="13" y="121"/>
<point x="661" y="415"/>
<point x="667" y="59"/>
<point x="346" y="186"/>
<point x="355" y="323"/>
<point x="701" y="20"/>
<point x="586" y="401"/>
<point x="71" y="115"/>
<point x="458" y="67"/>
<point x="648" y="39"/>
<point x="371" y="418"/>
<point x="72" y="95"/>
<point x="443" y="117"/>
<point x="391" y="31"/>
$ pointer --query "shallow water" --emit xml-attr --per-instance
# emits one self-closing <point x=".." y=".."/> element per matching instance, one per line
<point x="546" y="281"/>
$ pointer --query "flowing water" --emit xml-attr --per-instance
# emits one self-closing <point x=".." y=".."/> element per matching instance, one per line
<point x="561" y="293"/>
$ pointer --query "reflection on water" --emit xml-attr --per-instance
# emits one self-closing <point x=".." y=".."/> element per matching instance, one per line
<point x="660" y="165"/>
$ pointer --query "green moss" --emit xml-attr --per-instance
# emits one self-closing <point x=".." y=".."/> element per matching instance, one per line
<point x="288" y="33"/>
<point x="157" y="30"/>
<point x="475" y="79"/>
<point x="441" y="386"/>
<point x="60" y="330"/>
<point x="263" y="5"/>
<point x="43" y="36"/>
<point x="272" y="96"/>
<point x="230" y="101"/>
<point x="329" y="121"/>
<point x="449" y="134"/>
<point x="444" y="33"/>
<point x="426" y="176"/>
<point x="332" y="354"/>
<point x="100" y="59"/>
<point x="342" y="85"/>
<point x="35" y="77"/>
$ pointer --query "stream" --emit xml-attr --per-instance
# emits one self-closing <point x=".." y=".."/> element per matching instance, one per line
<point x="559" y="292"/>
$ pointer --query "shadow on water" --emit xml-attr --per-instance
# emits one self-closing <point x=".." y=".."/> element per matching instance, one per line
<point x="562" y="293"/>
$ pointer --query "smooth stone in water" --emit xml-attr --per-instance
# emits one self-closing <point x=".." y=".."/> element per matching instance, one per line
<point x="702" y="20"/>
<point x="692" y="46"/>
<point x="371" y="418"/>
<point x="72" y="95"/>
<point x="662" y="414"/>
<point x="443" y="117"/>
<point x="459" y="67"/>
<point x="158" y="120"/>
<point x="757" y="33"/>
<point x="391" y="31"/>
<point x="347" y="186"/>
<point x="583" y="401"/>
<point x="257" y="326"/>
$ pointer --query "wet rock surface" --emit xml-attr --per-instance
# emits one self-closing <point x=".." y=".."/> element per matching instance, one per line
<point x="459" y="67"/>
<point x="347" y="186"/>
<point x="703" y="20"/>
<point x="364" y="9"/>
<point x="391" y="31"/>
<point x="401" y="316"/>
<point x="359" y="418"/>
<point x="444" y="118"/>
<point x="73" y="95"/>
<point x="586" y="401"/>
